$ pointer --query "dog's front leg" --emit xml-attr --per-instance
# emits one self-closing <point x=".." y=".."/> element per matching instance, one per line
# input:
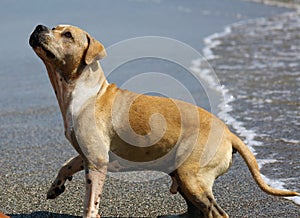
<point x="69" y="168"/>
<point x="95" y="178"/>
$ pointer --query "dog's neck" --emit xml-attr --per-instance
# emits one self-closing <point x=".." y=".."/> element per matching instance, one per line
<point x="72" y="95"/>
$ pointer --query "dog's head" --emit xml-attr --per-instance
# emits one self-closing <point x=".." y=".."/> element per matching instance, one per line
<point x="66" y="49"/>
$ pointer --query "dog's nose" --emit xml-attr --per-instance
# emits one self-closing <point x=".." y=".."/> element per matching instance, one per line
<point x="41" y="28"/>
<point x="34" y="38"/>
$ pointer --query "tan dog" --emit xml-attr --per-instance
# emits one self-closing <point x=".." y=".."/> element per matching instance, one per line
<point x="187" y="142"/>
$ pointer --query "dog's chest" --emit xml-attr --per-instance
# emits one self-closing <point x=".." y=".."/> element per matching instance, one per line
<point x="81" y="97"/>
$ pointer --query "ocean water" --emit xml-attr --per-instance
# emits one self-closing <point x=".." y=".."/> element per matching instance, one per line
<point x="188" y="22"/>
<point x="258" y="63"/>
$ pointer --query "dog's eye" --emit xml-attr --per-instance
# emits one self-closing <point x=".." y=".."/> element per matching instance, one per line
<point x="68" y="34"/>
<point x="53" y="28"/>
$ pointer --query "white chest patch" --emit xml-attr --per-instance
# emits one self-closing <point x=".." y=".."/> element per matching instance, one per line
<point x="87" y="86"/>
<point x="81" y="94"/>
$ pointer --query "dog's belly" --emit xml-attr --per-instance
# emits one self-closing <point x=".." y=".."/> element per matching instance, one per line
<point x="138" y="153"/>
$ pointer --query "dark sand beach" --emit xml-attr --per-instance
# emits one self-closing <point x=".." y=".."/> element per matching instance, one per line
<point x="32" y="140"/>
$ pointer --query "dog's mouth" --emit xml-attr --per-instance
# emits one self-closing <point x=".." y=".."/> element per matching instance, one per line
<point x="44" y="48"/>
<point x="49" y="54"/>
<point x="43" y="51"/>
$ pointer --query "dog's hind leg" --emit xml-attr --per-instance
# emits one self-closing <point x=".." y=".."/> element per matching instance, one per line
<point x="197" y="191"/>
<point x="68" y="169"/>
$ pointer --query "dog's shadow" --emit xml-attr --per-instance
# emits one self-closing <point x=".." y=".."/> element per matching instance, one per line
<point x="45" y="214"/>
<point x="42" y="214"/>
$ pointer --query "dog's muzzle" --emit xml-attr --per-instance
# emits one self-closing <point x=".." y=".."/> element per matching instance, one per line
<point x="36" y="38"/>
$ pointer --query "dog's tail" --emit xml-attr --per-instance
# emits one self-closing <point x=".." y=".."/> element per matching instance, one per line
<point x="254" y="169"/>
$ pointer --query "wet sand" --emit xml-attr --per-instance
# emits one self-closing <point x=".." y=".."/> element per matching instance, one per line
<point x="32" y="142"/>
<point x="236" y="192"/>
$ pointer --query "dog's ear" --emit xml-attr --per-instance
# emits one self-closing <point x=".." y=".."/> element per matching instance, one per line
<point x="95" y="50"/>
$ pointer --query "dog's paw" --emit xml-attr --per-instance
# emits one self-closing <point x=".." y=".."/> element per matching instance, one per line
<point x="55" y="191"/>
